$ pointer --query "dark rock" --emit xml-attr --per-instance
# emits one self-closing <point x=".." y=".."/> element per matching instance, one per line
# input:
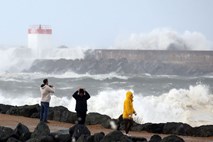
<point x="172" y="138"/>
<point x="116" y="136"/>
<point x="64" y="131"/>
<point x="80" y="129"/>
<point x="26" y="110"/>
<point x="106" y="124"/>
<point x="82" y="138"/>
<point x="96" y="118"/>
<point x="5" y="133"/>
<point x="4" y="108"/>
<point x="90" y="138"/>
<point x="47" y="139"/>
<point x="22" y="132"/>
<point x="61" y="113"/>
<point x="97" y="137"/>
<point x="153" y="128"/>
<point x="138" y="139"/>
<point x="42" y="129"/>
<point x="155" y="138"/>
<point x="13" y="140"/>
<point x="177" y="129"/>
<point x="33" y="140"/>
<point x="61" y="137"/>
<point x="72" y="129"/>
<point x="203" y="131"/>
<point x="35" y="115"/>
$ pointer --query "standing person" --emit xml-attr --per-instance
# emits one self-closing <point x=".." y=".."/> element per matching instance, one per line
<point x="128" y="111"/>
<point x="81" y="96"/>
<point x="46" y="91"/>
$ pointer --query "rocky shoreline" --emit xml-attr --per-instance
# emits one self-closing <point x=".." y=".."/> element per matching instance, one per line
<point x="62" y="114"/>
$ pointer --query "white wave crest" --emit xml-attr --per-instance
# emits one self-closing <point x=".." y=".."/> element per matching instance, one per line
<point x="165" y="39"/>
<point x="16" y="59"/>
<point x="193" y="106"/>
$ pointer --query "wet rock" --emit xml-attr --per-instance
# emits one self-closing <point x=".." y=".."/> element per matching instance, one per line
<point x="42" y="129"/>
<point x="155" y="138"/>
<point x="5" y="133"/>
<point x="172" y="138"/>
<point x="22" y="132"/>
<point x="116" y="136"/>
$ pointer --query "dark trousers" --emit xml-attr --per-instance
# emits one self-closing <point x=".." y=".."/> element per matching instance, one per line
<point x="44" y="111"/>
<point x="81" y="117"/>
<point x="128" y="124"/>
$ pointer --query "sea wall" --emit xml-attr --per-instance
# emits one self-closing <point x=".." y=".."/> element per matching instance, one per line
<point x="132" y="62"/>
<point x="167" y="56"/>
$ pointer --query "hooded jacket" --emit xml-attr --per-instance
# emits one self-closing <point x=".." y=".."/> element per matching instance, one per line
<point x="128" y="109"/>
<point x="81" y="101"/>
<point x="46" y="91"/>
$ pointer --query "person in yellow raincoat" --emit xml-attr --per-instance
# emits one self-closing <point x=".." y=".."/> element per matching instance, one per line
<point x="128" y="111"/>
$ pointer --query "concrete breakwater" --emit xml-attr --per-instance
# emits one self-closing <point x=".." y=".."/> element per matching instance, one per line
<point x="132" y="62"/>
<point x="167" y="56"/>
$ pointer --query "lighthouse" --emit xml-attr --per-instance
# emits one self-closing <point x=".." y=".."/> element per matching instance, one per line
<point x="39" y="39"/>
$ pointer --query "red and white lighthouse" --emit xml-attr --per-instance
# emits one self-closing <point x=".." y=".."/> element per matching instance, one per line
<point x="39" y="38"/>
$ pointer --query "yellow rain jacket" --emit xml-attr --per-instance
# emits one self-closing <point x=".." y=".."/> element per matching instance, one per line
<point x="128" y="106"/>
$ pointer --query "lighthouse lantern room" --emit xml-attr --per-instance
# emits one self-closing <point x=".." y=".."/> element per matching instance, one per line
<point x="39" y="38"/>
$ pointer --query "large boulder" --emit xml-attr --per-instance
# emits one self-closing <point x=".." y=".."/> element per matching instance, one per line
<point x="172" y="138"/>
<point x="138" y="139"/>
<point x="82" y="138"/>
<point x="155" y="138"/>
<point x="34" y="140"/>
<point x="4" y="108"/>
<point x="27" y="110"/>
<point x="47" y="139"/>
<point x="41" y="130"/>
<point x="203" y="131"/>
<point x="61" y="113"/>
<point x="177" y="129"/>
<point x="79" y="129"/>
<point x="115" y="136"/>
<point x="22" y="132"/>
<point x="5" y="133"/>
<point x="153" y="128"/>
<point x="11" y="139"/>
<point x="97" y="137"/>
<point x="61" y="137"/>
<point x="96" y="118"/>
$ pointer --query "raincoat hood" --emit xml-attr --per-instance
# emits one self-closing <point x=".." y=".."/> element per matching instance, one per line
<point x="129" y="95"/>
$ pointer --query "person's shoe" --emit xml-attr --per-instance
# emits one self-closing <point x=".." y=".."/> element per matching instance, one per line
<point x="46" y="122"/>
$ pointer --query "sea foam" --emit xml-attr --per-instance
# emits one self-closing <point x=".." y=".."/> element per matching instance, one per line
<point x="193" y="105"/>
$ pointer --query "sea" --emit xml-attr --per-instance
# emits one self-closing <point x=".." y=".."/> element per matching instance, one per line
<point x="157" y="98"/>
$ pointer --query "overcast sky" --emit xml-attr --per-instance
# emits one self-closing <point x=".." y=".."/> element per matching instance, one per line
<point x="100" y="22"/>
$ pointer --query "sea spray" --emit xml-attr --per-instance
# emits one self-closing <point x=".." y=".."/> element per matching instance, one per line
<point x="17" y="59"/>
<point x="193" y="105"/>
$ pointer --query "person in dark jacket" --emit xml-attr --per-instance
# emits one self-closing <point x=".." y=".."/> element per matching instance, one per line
<point x="81" y="96"/>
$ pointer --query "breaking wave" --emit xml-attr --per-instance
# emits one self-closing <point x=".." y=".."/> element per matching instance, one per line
<point x="165" y="39"/>
<point x="193" y="105"/>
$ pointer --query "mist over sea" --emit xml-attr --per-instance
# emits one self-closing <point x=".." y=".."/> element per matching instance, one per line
<point x="157" y="98"/>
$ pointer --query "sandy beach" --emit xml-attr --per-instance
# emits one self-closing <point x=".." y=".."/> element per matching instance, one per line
<point x="12" y="121"/>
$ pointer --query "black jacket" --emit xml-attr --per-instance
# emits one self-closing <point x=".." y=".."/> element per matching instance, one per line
<point x="81" y="101"/>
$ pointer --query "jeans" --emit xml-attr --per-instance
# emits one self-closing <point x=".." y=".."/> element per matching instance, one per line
<point x="44" y="111"/>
